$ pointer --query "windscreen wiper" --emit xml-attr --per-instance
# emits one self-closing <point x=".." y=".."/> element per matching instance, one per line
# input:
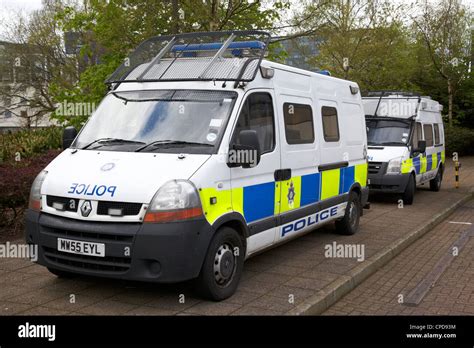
<point x="171" y="142"/>
<point x="111" y="141"/>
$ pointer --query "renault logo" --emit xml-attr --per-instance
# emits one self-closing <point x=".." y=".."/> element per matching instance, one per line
<point x="86" y="208"/>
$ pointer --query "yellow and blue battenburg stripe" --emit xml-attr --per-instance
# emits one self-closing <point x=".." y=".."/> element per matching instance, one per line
<point x="423" y="164"/>
<point x="260" y="201"/>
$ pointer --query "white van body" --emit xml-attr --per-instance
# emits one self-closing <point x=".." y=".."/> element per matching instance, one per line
<point x="396" y="121"/>
<point x="97" y="213"/>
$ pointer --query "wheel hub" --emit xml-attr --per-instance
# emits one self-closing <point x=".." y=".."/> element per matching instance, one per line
<point x="224" y="264"/>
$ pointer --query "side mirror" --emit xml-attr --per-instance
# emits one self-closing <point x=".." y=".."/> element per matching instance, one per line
<point x="421" y="146"/>
<point x="69" y="134"/>
<point x="247" y="153"/>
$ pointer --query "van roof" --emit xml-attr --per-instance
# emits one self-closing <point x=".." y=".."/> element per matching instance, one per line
<point x="419" y="104"/>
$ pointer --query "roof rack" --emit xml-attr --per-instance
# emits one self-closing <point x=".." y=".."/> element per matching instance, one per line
<point x="384" y="93"/>
<point x="207" y="56"/>
<point x="381" y="94"/>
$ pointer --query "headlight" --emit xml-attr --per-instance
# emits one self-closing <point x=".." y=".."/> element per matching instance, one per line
<point x="175" y="200"/>
<point x="394" y="165"/>
<point x="35" y="192"/>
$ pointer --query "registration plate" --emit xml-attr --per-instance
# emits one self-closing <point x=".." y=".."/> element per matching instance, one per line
<point x="80" y="247"/>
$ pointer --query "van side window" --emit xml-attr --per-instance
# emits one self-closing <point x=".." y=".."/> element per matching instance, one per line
<point x="330" y="125"/>
<point x="417" y="134"/>
<point x="299" y="128"/>
<point x="428" y="130"/>
<point x="257" y="114"/>
<point x="436" y="133"/>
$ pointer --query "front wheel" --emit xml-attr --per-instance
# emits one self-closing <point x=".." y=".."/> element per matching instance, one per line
<point x="222" y="268"/>
<point x="349" y="224"/>
<point x="435" y="183"/>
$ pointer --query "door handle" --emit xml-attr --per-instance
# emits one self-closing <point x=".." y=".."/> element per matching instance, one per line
<point x="282" y="174"/>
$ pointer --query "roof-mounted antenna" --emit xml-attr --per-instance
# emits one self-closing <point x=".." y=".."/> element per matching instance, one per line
<point x="378" y="104"/>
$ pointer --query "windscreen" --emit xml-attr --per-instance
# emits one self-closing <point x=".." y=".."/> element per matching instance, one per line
<point x="387" y="132"/>
<point x="158" y="121"/>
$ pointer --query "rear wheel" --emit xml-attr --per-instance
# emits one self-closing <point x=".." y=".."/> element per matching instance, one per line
<point x="349" y="224"/>
<point x="222" y="268"/>
<point x="409" y="194"/>
<point x="435" y="183"/>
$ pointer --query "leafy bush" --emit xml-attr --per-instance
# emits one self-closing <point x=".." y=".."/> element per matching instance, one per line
<point x="460" y="140"/>
<point x="16" y="179"/>
<point x="27" y="143"/>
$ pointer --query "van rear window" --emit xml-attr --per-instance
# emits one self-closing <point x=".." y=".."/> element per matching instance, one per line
<point x="436" y="133"/>
<point x="330" y="124"/>
<point x="428" y="130"/>
<point x="299" y="128"/>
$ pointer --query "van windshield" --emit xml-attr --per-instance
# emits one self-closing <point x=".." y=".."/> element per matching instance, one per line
<point x="176" y="121"/>
<point x="387" y="132"/>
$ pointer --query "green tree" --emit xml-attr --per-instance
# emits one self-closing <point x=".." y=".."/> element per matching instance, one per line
<point x="444" y="27"/>
<point x="362" y="40"/>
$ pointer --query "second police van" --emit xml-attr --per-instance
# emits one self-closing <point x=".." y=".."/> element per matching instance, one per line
<point x="406" y="142"/>
<point x="201" y="155"/>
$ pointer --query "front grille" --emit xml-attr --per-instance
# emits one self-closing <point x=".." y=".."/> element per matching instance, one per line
<point x="375" y="167"/>
<point x="107" y="264"/>
<point x="69" y="204"/>
<point x="126" y="208"/>
<point x="384" y="187"/>
<point x="96" y="237"/>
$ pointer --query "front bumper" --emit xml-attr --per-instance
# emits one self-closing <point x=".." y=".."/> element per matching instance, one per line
<point x="390" y="183"/>
<point x="163" y="253"/>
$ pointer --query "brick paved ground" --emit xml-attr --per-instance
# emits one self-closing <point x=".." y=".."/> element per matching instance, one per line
<point x="297" y="268"/>
<point x="453" y="293"/>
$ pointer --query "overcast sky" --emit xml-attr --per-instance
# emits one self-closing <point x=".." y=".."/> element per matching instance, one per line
<point x="9" y="7"/>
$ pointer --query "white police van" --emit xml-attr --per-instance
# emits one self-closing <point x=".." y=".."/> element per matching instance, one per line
<point x="201" y="155"/>
<point x="406" y="142"/>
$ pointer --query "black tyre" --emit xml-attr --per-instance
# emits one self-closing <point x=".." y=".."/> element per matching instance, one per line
<point x="222" y="268"/>
<point x="435" y="183"/>
<point x="61" y="274"/>
<point x="409" y="193"/>
<point x="349" y="224"/>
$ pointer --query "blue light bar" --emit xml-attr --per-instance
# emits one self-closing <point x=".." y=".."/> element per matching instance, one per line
<point x="324" y="72"/>
<point x="214" y="46"/>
